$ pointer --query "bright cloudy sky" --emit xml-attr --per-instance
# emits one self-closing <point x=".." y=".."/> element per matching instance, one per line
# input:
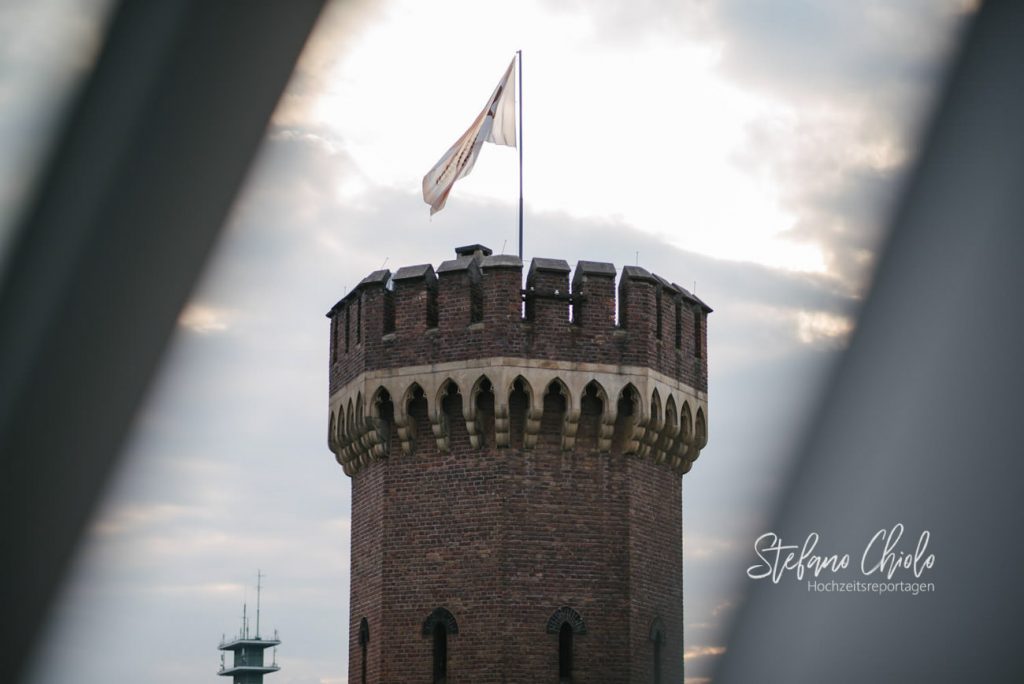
<point x="751" y="148"/>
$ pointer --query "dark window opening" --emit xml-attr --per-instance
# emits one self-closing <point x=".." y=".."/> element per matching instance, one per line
<point x="591" y="409"/>
<point x="432" y="308"/>
<point x="419" y="423"/>
<point x="440" y="653"/>
<point x="359" y="319"/>
<point x="476" y="302"/>
<point x="386" y="413"/>
<point x="624" y="418"/>
<point x="364" y="639"/>
<point x="696" y="333"/>
<point x="679" y="325"/>
<point x="657" y="314"/>
<point x="659" y="640"/>
<point x="518" y="402"/>
<point x="485" y="413"/>
<point x="451" y="407"/>
<point x="389" y="312"/>
<point x="346" y="329"/>
<point x="565" y="653"/>
<point x="334" y="338"/>
<point x="553" y="417"/>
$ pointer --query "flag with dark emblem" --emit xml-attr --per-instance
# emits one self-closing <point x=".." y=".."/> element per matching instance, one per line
<point x="495" y="124"/>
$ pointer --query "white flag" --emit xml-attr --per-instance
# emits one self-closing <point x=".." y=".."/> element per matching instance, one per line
<point x="495" y="124"/>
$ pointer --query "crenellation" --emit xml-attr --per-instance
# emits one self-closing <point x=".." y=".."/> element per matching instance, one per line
<point x="458" y="285"/>
<point x="593" y="304"/>
<point x="547" y="293"/>
<point x="476" y="306"/>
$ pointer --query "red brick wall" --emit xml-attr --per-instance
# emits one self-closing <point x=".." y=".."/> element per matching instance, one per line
<point x="503" y="538"/>
<point x="366" y="575"/>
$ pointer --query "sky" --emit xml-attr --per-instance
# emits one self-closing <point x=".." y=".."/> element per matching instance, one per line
<point x="748" y="150"/>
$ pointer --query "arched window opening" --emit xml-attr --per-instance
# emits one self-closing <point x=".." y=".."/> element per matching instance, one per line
<point x="625" y="416"/>
<point x="439" y="625"/>
<point x="419" y="420"/>
<point x="567" y="624"/>
<point x="554" y="414"/>
<point x="451" y="406"/>
<point x="364" y="640"/>
<point x="440" y="653"/>
<point x="386" y="414"/>
<point x="591" y="408"/>
<point x="565" y="653"/>
<point x="518" y="402"/>
<point x="485" y="413"/>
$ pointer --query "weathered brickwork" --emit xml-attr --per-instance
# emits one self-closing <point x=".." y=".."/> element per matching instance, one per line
<point x="517" y="472"/>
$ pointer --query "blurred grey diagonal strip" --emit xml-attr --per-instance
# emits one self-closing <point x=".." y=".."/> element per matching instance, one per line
<point x="921" y="423"/>
<point x="142" y="176"/>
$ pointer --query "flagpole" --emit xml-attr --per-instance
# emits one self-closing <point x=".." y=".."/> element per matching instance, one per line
<point x="519" y="55"/>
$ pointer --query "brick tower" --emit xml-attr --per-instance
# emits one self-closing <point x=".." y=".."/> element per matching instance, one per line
<point x="517" y="470"/>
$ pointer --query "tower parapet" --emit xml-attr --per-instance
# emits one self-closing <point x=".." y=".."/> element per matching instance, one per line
<point x="516" y="451"/>
<point x="471" y="328"/>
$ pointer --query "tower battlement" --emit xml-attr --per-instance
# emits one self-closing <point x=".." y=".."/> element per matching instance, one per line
<point x="414" y="352"/>
<point x="475" y="306"/>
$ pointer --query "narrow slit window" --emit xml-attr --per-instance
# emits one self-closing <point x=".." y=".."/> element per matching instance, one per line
<point x="334" y="338"/>
<point x="359" y="319"/>
<point x="657" y="313"/>
<point x="659" y="640"/>
<point x="432" y="308"/>
<point x="389" y="312"/>
<point x="476" y="302"/>
<point x="346" y="329"/>
<point x="696" y="333"/>
<point x="440" y="653"/>
<point x="565" y="653"/>
<point x="364" y="640"/>
<point x="679" y="325"/>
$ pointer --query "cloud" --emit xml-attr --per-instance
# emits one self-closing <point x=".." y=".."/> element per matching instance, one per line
<point x="839" y="92"/>
<point x="697" y="652"/>
<point x="337" y="29"/>
<point x="204" y="319"/>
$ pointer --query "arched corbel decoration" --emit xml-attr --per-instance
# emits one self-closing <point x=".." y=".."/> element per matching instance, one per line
<point x="440" y="421"/>
<point x="407" y="426"/>
<point x="479" y="410"/>
<point x="523" y="422"/>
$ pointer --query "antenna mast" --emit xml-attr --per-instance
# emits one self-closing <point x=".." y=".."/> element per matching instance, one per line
<point x="259" y="577"/>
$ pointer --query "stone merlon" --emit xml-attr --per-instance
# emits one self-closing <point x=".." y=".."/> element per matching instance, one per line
<point x="476" y="306"/>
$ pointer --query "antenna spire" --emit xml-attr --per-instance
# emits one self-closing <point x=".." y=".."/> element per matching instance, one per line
<point x="259" y="586"/>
